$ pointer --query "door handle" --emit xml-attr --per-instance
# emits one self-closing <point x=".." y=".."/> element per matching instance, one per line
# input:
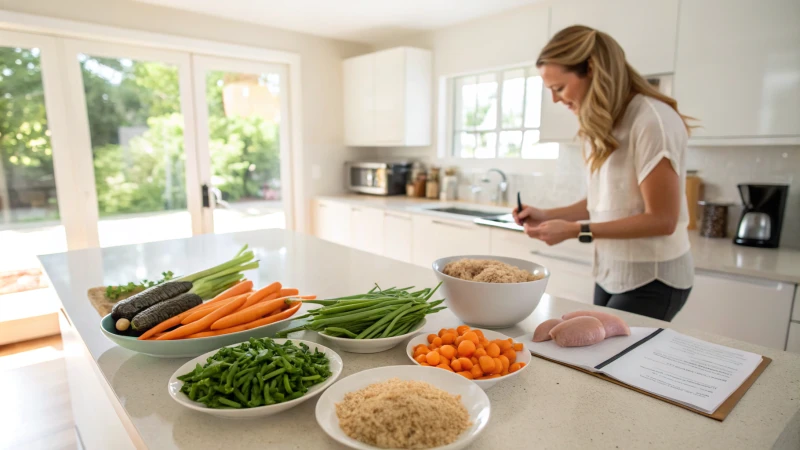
<point x="453" y="225"/>
<point x="206" y="200"/>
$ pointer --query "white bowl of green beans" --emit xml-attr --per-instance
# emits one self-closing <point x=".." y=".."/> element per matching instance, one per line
<point x="371" y="322"/>
<point x="257" y="378"/>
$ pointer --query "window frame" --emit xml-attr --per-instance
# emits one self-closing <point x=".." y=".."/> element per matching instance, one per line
<point x="452" y="114"/>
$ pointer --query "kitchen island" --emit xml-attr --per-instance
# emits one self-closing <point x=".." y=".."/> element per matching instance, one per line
<point x="120" y="399"/>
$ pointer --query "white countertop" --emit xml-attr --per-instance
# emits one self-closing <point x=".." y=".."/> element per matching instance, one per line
<point x="710" y="254"/>
<point x="547" y="406"/>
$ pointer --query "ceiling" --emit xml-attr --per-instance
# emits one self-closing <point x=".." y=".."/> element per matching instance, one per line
<point x="367" y="21"/>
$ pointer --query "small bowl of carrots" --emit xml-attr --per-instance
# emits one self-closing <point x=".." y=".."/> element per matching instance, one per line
<point x="484" y="356"/>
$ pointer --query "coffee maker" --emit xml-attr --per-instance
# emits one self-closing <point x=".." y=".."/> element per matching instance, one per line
<point x="762" y="214"/>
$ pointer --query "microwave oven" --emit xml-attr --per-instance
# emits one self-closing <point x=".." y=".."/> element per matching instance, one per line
<point x="378" y="178"/>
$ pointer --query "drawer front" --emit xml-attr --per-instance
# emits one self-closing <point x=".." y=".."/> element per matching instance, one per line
<point x="436" y="238"/>
<point x="750" y="310"/>
<point x="397" y="236"/>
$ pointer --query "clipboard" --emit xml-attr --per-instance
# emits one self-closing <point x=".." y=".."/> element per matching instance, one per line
<point x="720" y="414"/>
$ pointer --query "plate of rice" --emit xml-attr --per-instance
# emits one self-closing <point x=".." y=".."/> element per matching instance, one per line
<point x="403" y="407"/>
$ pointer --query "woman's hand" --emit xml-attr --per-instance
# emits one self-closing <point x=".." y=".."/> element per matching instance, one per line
<point x="529" y="215"/>
<point x="553" y="232"/>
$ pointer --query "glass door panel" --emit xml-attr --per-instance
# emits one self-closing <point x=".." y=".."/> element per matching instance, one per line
<point x="137" y="132"/>
<point x="30" y="223"/>
<point x="244" y="116"/>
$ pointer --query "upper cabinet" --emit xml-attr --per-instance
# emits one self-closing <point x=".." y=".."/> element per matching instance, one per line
<point x="648" y="41"/>
<point x="387" y="98"/>
<point x="646" y="30"/>
<point x="738" y="68"/>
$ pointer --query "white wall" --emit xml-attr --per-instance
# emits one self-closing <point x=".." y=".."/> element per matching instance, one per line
<point x="514" y="38"/>
<point x="323" y="138"/>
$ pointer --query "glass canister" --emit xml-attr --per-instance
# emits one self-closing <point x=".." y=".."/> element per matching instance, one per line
<point x="714" y="223"/>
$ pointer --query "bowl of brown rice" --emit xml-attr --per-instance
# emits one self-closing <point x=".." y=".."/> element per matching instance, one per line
<point x="404" y="407"/>
<point x="491" y="291"/>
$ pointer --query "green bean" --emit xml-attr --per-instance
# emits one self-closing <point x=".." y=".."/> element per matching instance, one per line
<point x="249" y="375"/>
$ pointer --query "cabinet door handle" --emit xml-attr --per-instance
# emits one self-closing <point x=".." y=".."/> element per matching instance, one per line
<point x="322" y="205"/>
<point x="561" y="258"/>
<point x="452" y="225"/>
<point x="397" y="216"/>
<point x="355" y="209"/>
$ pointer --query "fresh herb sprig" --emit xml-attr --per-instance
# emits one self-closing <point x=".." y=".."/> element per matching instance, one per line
<point x="115" y="292"/>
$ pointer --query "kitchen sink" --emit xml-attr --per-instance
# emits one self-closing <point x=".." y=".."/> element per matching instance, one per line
<point x="465" y="212"/>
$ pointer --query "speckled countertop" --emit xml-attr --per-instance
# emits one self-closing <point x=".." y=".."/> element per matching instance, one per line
<point x="548" y="406"/>
<point x="714" y="255"/>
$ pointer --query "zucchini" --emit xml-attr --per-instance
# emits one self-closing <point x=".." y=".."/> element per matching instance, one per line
<point x="131" y="306"/>
<point x="162" y="311"/>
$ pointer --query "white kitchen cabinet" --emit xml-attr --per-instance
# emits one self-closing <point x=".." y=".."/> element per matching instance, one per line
<point x="359" y="94"/>
<point x="648" y="41"/>
<point x="332" y="222"/>
<point x="570" y="277"/>
<point x="387" y="98"/>
<point x="793" y="343"/>
<point x="738" y="68"/>
<point x="747" y="309"/>
<point x="366" y="229"/>
<point x="397" y="236"/>
<point x="436" y="238"/>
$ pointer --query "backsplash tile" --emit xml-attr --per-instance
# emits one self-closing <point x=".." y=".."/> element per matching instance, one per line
<point x="721" y="169"/>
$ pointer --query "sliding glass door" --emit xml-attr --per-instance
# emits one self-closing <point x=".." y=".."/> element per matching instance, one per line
<point x="242" y="142"/>
<point x="31" y="200"/>
<point x="136" y="105"/>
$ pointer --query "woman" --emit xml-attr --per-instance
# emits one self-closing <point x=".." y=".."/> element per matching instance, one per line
<point x="634" y="143"/>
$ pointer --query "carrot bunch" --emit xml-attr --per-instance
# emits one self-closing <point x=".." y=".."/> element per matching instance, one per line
<point x="237" y="309"/>
<point x="468" y="353"/>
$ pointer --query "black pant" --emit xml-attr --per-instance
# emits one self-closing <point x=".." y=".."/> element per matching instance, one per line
<point x="654" y="299"/>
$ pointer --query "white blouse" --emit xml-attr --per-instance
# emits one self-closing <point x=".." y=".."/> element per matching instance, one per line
<point x="649" y="131"/>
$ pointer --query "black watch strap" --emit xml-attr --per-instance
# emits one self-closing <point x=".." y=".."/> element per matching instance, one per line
<point x="585" y="235"/>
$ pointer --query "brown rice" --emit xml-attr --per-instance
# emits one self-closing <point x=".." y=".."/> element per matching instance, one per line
<point x="402" y="414"/>
<point x="488" y="271"/>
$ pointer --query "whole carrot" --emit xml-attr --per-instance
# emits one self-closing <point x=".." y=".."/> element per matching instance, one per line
<point x="200" y="313"/>
<point x="265" y="291"/>
<point x="171" y="322"/>
<point x="248" y="315"/>
<point x="205" y="322"/>
<point x="287" y="292"/>
<point x="242" y="287"/>
<point x="272" y="319"/>
<point x="252" y="300"/>
<point x="250" y="325"/>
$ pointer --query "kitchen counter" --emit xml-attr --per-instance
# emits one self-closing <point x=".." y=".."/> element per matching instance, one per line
<point x="714" y="255"/>
<point x="547" y="406"/>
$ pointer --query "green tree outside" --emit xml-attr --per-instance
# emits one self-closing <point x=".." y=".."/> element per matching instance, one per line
<point x="146" y="174"/>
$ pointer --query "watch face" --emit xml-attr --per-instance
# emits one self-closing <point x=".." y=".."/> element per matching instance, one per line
<point x="585" y="238"/>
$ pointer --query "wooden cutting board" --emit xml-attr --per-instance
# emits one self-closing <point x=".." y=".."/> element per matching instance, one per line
<point x="101" y="303"/>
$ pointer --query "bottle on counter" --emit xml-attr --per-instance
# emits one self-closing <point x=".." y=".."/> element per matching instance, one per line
<point x="449" y="185"/>
<point x="413" y="185"/>
<point x="432" y="184"/>
<point x="694" y="192"/>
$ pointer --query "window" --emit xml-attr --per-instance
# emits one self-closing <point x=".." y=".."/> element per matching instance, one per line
<point x="497" y="115"/>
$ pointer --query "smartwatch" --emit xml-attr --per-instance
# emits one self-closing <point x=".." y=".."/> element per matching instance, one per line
<point x="585" y="235"/>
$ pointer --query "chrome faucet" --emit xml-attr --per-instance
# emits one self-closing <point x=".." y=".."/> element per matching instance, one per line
<point x="501" y="196"/>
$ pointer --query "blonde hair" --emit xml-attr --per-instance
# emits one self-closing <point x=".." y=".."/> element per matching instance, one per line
<point x="586" y="51"/>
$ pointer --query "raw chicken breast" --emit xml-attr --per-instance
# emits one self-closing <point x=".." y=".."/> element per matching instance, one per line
<point x="578" y="332"/>
<point x="614" y="325"/>
<point x="542" y="332"/>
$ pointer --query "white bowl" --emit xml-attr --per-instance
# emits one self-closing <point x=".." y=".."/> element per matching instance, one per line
<point x="174" y="386"/>
<point x="473" y="398"/>
<point x="370" y="345"/>
<point x="523" y="356"/>
<point x="492" y="305"/>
